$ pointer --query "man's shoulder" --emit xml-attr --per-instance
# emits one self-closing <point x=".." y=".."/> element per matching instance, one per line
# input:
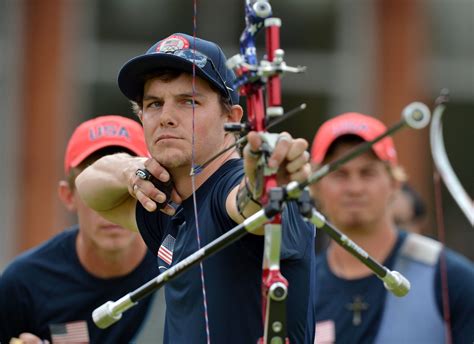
<point x="42" y="255"/>
<point x="224" y="179"/>
<point x="428" y="251"/>
<point x="230" y="168"/>
<point x="459" y="263"/>
<point x="420" y="248"/>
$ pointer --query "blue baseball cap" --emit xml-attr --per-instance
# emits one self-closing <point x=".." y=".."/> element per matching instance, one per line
<point x="179" y="51"/>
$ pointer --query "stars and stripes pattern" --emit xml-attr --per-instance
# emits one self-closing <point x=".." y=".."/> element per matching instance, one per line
<point x="325" y="332"/>
<point x="165" y="251"/>
<point x="72" y="332"/>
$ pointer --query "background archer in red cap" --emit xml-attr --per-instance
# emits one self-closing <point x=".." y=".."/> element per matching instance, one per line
<point x="351" y="304"/>
<point x="50" y="291"/>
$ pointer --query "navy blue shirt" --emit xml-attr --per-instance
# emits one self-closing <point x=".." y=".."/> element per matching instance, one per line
<point x="233" y="275"/>
<point x="48" y="285"/>
<point x="334" y="296"/>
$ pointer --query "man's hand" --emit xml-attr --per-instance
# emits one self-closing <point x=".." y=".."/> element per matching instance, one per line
<point x="146" y="192"/>
<point x="28" y="338"/>
<point x="290" y="160"/>
<point x="289" y="157"/>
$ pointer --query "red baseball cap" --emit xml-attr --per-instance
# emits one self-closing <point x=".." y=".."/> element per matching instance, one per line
<point x="352" y="123"/>
<point x="101" y="132"/>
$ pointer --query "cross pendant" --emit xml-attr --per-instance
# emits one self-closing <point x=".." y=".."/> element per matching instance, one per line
<point x="357" y="306"/>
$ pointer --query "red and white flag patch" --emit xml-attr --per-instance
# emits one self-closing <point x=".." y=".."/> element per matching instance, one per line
<point x="72" y="332"/>
<point x="165" y="252"/>
<point x="325" y="332"/>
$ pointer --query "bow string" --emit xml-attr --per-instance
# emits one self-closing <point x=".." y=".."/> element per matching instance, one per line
<point x="193" y="180"/>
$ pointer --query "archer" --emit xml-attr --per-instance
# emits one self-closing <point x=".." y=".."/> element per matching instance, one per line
<point x="181" y="90"/>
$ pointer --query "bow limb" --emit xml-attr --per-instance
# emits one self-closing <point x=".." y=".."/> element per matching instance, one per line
<point x="444" y="167"/>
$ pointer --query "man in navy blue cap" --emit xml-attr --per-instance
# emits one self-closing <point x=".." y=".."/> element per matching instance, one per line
<point x="182" y="92"/>
<point x="179" y="52"/>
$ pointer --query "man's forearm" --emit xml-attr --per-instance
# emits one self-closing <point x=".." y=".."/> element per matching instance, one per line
<point x="103" y="185"/>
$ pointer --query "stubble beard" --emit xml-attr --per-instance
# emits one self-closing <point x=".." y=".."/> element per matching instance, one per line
<point x="173" y="161"/>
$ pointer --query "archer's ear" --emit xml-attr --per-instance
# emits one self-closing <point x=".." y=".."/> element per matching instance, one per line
<point x="66" y="195"/>
<point x="236" y="113"/>
<point x="140" y="116"/>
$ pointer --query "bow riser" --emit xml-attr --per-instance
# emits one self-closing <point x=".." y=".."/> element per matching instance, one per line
<point x="252" y="78"/>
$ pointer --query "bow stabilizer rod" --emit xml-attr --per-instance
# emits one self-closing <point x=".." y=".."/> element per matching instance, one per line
<point x="393" y="281"/>
<point x="111" y="311"/>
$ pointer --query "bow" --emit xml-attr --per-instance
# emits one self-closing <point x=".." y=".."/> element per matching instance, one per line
<point x="443" y="165"/>
<point x="253" y="77"/>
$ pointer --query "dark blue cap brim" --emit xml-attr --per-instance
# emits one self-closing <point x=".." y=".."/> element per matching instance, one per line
<point x="131" y="78"/>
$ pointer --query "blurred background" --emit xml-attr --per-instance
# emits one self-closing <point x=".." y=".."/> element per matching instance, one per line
<point x="59" y="61"/>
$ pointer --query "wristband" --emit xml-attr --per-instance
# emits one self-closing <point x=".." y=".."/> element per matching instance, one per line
<point x="244" y="197"/>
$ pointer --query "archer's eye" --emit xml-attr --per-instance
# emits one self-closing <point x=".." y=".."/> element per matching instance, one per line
<point x="190" y="102"/>
<point x="153" y="105"/>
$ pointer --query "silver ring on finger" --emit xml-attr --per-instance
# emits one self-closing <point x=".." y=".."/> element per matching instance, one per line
<point x="306" y="155"/>
<point x="143" y="174"/>
<point x="284" y="137"/>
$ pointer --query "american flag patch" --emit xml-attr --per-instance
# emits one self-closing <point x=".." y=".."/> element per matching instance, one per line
<point x="165" y="252"/>
<point x="73" y="332"/>
<point x="325" y="332"/>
